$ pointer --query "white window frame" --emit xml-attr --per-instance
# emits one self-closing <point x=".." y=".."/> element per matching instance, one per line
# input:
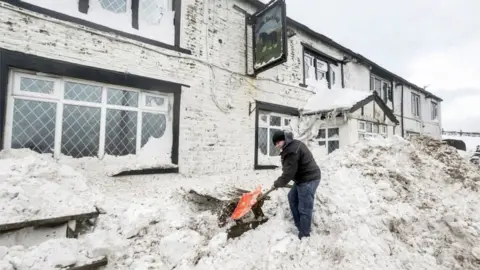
<point x="122" y="21"/>
<point x="376" y="129"/>
<point x="309" y="59"/>
<point x="384" y="94"/>
<point x="434" y="110"/>
<point x="327" y="139"/>
<point x="416" y="105"/>
<point x="383" y="130"/>
<point x="269" y="127"/>
<point x="58" y="98"/>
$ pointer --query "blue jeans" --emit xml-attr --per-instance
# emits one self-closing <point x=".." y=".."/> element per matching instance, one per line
<point x="301" y="199"/>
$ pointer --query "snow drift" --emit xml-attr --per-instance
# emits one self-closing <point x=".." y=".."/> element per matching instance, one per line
<point x="34" y="186"/>
<point x="382" y="204"/>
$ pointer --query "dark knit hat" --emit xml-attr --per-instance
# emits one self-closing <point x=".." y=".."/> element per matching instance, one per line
<point x="278" y="135"/>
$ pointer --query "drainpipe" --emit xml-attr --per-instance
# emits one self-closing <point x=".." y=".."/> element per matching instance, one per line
<point x="401" y="114"/>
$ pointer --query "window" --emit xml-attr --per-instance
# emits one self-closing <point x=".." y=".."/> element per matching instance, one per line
<point x="369" y="129"/>
<point x="268" y="123"/>
<point x="150" y="19"/>
<point x="76" y="118"/>
<point x="383" y="88"/>
<point x="329" y="138"/>
<point x="434" y="110"/>
<point x="411" y="134"/>
<point x="318" y="72"/>
<point x="415" y="105"/>
<point x="383" y="129"/>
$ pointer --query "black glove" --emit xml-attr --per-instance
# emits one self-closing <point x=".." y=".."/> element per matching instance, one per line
<point x="277" y="184"/>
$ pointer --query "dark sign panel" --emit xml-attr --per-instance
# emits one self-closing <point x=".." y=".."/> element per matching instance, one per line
<point x="270" y="36"/>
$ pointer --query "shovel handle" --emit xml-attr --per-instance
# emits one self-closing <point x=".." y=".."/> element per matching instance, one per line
<point x="265" y="194"/>
<point x="270" y="190"/>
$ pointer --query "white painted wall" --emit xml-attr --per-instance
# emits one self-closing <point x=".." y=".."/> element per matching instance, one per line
<point x="214" y="31"/>
<point x="215" y="118"/>
<point x="352" y="129"/>
<point x="357" y="76"/>
<point x="422" y="124"/>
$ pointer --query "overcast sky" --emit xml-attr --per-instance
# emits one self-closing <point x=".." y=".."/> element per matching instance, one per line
<point x="429" y="42"/>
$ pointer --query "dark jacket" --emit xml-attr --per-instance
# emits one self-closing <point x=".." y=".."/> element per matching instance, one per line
<point x="298" y="163"/>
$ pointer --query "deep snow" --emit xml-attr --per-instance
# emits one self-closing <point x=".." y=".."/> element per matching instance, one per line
<point x="382" y="204"/>
<point x="338" y="99"/>
<point x="33" y="186"/>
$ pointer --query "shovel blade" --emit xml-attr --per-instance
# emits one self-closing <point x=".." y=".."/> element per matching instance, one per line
<point x="246" y="202"/>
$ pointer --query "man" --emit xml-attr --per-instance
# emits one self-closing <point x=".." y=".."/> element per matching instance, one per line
<point x="300" y="166"/>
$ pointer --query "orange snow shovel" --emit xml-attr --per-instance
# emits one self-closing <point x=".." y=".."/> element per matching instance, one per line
<point x="248" y="200"/>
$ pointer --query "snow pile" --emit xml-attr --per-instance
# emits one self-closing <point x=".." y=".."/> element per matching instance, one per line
<point x="326" y="100"/>
<point x="454" y="162"/>
<point x="155" y="154"/>
<point x="33" y="186"/>
<point x="54" y="254"/>
<point x="382" y="204"/>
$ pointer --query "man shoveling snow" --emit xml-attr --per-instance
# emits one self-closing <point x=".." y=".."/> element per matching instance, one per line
<point x="298" y="165"/>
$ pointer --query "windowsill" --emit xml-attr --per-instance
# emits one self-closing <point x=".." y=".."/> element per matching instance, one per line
<point x="266" y="167"/>
<point x="307" y="88"/>
<point x="147" y="171"/>
<point x="68" y="18"/>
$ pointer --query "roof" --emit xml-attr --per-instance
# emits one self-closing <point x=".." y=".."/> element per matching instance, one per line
<point x="344" y="99"/>
<point x="329" y="41"/>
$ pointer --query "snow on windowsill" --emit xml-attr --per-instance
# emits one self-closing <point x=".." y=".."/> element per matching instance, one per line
<point x="155" y="154"/>
<point x="330" y="99"/>
<point x="164" y="32"/>
<point x="265" y="160"/>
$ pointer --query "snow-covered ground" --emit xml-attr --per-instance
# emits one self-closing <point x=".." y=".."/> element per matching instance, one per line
<point x="382" y="204"/>
<point x="33" y="186"/>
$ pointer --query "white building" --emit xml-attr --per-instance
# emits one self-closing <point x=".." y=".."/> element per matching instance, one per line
<point x="337" y="118"/>
<point x="101" y="77"/>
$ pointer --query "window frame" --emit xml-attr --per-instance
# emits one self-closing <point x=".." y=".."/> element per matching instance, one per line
<point x="40" y="65"/>
<point x="269" y="126"/>
<point x="83" y="6"/>
<point x="330" y="75"/>
<point x="434" y="110"/>
<point x="60" y="102"/>
<point x="382" y="129"/>
<point x="416" y="109"/>
<point x="327" y="140"/>
<point x="385" y="94"/>
<point x="261" y="106"/>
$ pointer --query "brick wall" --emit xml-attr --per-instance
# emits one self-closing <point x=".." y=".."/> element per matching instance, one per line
<point x="213" y="137"/>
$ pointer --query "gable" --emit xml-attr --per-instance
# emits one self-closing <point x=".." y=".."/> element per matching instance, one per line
<point x="373" y="108"/>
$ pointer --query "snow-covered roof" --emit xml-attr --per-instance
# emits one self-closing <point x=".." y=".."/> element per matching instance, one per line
<point x="330" y="99"/>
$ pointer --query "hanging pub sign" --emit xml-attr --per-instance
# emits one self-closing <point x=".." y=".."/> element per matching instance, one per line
<point x="270" y="36"/>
